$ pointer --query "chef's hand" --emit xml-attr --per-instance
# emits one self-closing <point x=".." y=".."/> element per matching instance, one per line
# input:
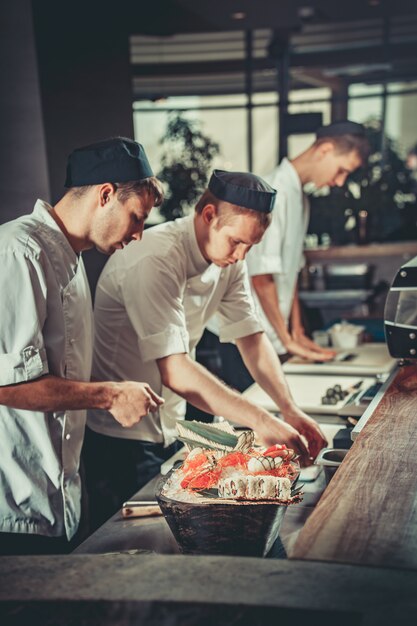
<point x="316" y="352"/>
<point x="296" y="349"/>
<point x="274" y="430"/>
<point x="309" y="428"/>
<point x="132" y="401"/>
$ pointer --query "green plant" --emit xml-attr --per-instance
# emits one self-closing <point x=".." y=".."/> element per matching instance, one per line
<point x="185" y="164"/>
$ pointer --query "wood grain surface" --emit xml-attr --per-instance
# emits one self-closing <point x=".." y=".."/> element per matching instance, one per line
<point x="357" y="253"/>
<point x="368" y="513"/>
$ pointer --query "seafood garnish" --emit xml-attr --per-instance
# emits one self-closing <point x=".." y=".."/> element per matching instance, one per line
<point x="219" y="436"/>
<point x="209" y="435"/>
<point x="245" y="441"/>
<point x="219" y="459"/>
<point x="261" y="463"/>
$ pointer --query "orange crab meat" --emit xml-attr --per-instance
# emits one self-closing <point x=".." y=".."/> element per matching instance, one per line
<point x="205" y="480"/>
<point x="234" y="459"/>
<point x="195" y="462"/>
<point x="279" y="450"/>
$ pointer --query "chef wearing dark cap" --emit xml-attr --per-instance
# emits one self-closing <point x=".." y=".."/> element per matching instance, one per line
<point x="46" y="341"/>
<point x="274" y="265"/>
<point x="152" y="304"/>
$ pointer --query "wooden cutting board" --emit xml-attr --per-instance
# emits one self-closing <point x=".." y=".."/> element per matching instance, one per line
<point x="308" y="390"/>
<point x="368" y="359"/>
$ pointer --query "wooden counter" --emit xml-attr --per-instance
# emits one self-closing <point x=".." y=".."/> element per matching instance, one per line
<point x="368" y="513"/>
<point x="404" y="249"/>
<point x="366" y="520"/>
<point x="176" y="590"/>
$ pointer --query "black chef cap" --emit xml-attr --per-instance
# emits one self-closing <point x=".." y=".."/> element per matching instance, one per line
<point x="116" y="160"/>
<point x="343" y="127"/>
<point x="242" y="189"/>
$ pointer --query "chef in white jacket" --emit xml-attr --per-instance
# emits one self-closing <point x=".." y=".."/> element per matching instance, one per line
<point x="339" y="149"/>
<point x="46" y="341"/>
<point x="152" y="304"/>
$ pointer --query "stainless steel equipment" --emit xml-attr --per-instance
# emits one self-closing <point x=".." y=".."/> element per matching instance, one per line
<point x="401" y="313"/>
<point x="348" y="276"/>
<point x="330" y="459"/>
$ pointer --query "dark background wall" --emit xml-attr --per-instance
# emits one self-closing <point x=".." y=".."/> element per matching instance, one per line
<point x="23" y="167"/>
<point x="83" y="60"/>
<point x="65" y="83"/>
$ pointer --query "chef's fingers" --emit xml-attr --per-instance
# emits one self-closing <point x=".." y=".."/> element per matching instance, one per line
<point x="309" y="344"/>
<point x="317" y="443"/>
<point x="315" y="437"/>
<point x="158" y="400"/>
<point x="301" y="450"/>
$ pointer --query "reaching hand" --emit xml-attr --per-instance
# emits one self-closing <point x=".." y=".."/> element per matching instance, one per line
<point x="275" y="431"/>
<point x="309" y="428"/>
<point x="303" y="346"/>
<point x="132" y="401"/>
<point x="295" y="348"/>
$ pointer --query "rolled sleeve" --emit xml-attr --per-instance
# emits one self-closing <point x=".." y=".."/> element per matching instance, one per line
<point x="23" y="366"/>
<point x="243" y="328"/>
<point x="23" y="313"/>
<point x="172" y="340"/>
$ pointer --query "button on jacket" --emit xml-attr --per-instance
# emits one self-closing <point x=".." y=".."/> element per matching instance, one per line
<point x="280" y="252"/>
<point x="154" y="299"/>
<point x="46" y="327"/>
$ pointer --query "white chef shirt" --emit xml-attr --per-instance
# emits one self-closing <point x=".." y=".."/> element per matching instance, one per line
<point x="153" y="299"/>
<point x="46" y="327"/>
<point x="280" y="252"/>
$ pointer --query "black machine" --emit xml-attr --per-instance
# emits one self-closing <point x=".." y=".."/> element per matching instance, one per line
<point x="401" y="313"/>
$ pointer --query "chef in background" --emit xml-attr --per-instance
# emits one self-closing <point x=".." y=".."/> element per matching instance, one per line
<point x="339" y="149"/>
<point x="152" y="304"/>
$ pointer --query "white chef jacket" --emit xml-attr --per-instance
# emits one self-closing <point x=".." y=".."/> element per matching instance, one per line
<point x="46" y="327"/>
<point x="153" y="299"/>
<point x="280" y="252"/>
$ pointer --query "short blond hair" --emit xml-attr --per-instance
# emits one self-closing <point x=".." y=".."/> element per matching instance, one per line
<point x="225" y="210"/>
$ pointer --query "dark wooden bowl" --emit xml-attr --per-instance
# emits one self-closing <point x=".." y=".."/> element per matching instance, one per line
<point x="238" y="528"/>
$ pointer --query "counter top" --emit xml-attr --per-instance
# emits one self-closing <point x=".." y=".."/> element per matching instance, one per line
<point x="406" y="249"/>
<point x="368" y="513"/>
<point x="363" y="530"/>
<point x="159" y="590"/>
<point x="153" y="535"/>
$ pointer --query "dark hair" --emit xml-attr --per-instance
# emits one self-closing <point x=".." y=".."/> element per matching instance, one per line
<point x="349" y="143"/>
<point x="208" y="197"/>
<point x="124" y="191"/>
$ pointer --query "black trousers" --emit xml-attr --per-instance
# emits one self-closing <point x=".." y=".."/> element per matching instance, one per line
<point x="18" y="544"/>
<point x="115" y="469"/>
<point x="234" y="372"/>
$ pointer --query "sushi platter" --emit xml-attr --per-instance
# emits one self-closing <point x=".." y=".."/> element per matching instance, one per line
<point x="229" y="496"/>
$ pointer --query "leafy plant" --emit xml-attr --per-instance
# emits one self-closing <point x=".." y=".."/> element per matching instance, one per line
<point x="185" y="164"/>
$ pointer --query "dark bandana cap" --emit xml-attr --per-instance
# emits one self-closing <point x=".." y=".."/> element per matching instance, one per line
<point x="117" y="160"/>
<point x="243" y="189"/>
<point x="337" y="129"/>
